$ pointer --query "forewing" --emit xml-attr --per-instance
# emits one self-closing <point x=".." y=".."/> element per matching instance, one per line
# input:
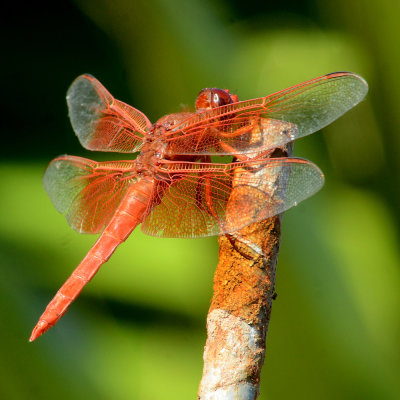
<point x="253" y="126"/>
<point x="200" y="199"/>
<point x="101" y="122"/>
<point x="87" y="192"/>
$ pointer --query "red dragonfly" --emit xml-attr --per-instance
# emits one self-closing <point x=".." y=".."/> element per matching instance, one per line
<point x="172" y="188"/>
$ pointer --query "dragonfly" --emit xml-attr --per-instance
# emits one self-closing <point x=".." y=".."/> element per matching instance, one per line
<point x="173" y="188"/>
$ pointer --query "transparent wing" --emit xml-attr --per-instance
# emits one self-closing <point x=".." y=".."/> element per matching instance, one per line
<point x="203" y="199"/>
<point x="253" y="126"/>
<point x="87" y="192"/>
<point x="101" y="122"/>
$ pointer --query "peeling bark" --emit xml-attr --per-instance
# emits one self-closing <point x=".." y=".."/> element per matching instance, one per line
<point x="238" y="319"/>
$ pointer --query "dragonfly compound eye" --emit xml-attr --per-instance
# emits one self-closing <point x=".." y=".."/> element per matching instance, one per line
<point x="212" y="98"/>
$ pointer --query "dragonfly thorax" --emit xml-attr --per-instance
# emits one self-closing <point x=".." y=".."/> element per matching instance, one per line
<point x="153" y="150"/>
<point x="169" y="122"/>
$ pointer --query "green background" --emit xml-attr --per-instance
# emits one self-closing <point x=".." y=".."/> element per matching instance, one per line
<point x="138" y="330"/>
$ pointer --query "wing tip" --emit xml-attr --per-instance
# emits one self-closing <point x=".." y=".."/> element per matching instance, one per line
<point x="354" y="75"/>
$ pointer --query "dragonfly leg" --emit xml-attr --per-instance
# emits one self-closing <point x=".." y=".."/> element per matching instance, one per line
<point x="240" y="131"/>
<point x="200" y="183"/>
<point x="212" y="211"/>
<point x="232" y="151"/>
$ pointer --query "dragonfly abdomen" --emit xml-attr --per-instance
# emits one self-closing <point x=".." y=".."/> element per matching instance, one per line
<point x="129" y="214"/>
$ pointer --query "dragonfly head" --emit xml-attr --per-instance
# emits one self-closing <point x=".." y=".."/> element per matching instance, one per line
<point x="212" y="98"/>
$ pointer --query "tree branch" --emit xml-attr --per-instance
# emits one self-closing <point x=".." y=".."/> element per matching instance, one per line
<point x="237" y="322"/>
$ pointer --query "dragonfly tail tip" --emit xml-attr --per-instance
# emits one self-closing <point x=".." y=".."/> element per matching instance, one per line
<point x="40" y="328"/>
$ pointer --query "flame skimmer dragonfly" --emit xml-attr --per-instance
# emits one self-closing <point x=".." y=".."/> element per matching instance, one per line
<point x="172" y="188"/>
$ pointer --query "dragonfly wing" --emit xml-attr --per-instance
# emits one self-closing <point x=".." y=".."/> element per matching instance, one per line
<point x="253" y="126"/>
<point x="201" y="199"/>
<point x="101" y="122"/>
<point x="87" y="192"/>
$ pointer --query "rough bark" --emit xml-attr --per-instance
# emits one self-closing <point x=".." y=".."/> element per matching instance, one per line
<point x="240" y="310"/>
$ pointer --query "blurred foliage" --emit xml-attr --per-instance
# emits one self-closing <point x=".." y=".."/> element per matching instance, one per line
<point x="137" y="331"/>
